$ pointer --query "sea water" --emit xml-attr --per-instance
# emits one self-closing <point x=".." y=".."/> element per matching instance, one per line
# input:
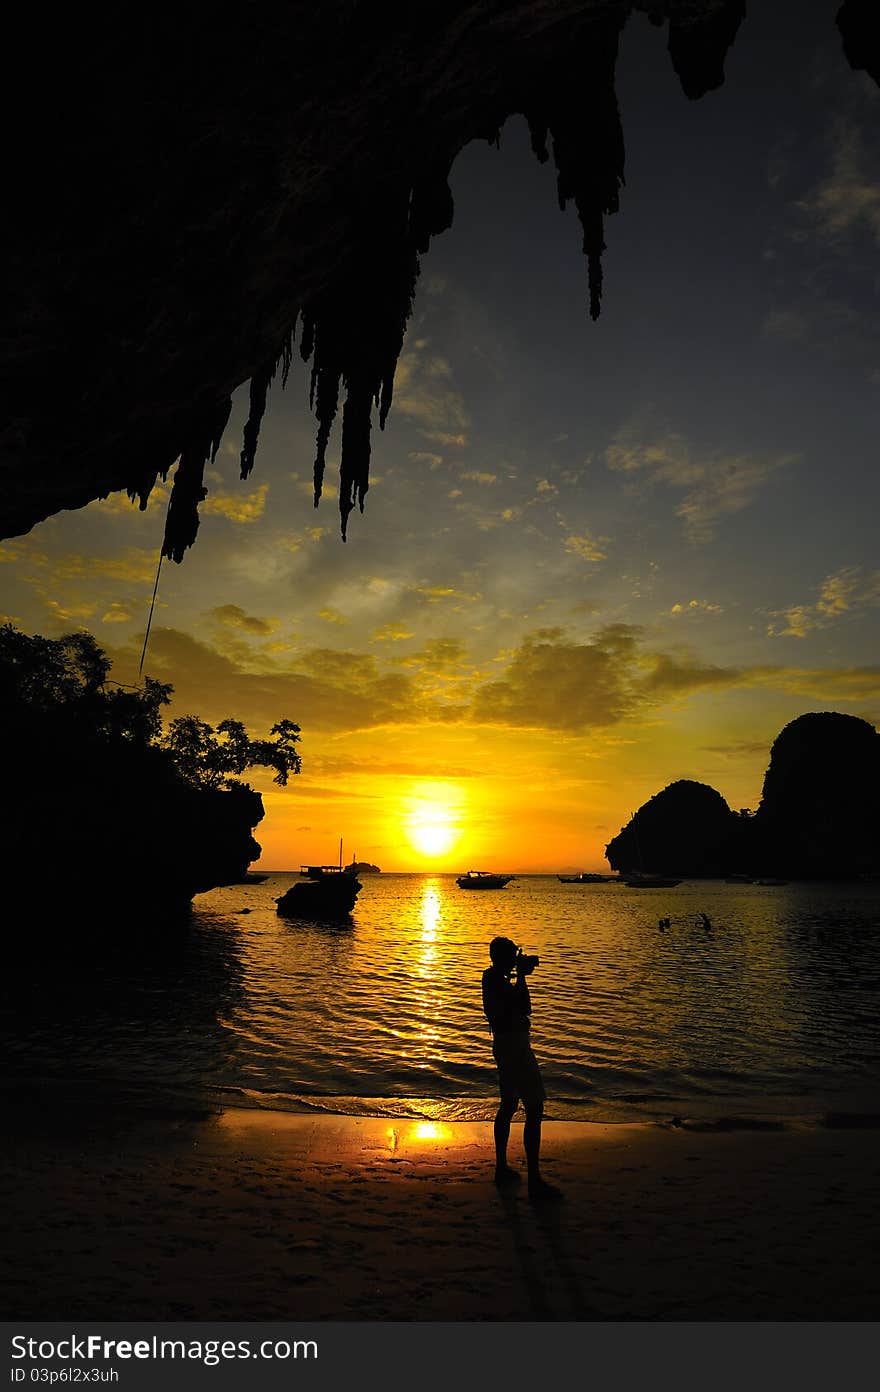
<point x="772" y="1013"/>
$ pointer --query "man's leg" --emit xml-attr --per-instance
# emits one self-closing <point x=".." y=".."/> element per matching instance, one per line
<point x="538" y="1187"/>
<point x="532" y="1140"/>
<point x="503" y="1173"/>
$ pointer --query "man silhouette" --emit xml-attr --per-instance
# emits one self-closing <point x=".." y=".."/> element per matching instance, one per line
<point x="508" y="1008"/>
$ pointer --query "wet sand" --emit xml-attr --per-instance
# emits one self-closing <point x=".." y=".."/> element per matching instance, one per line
<point x="123" y="1214"/>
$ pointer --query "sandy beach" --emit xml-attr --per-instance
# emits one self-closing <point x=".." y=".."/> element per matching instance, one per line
<point x="243" y="1214"/>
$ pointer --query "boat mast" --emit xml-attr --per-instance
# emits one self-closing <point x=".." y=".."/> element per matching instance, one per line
<point x="340" y="852"/>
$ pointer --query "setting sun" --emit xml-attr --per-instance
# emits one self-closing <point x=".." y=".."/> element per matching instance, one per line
<point x="432" y="838"/>
<point x="432" y="818"/>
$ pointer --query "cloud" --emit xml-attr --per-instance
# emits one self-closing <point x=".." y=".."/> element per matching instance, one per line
<point x="117" y="613"/>
<point x="237" y="507"/>
<point x="231" y="616"/>
<point x="425" y="457"/>
<point x="552" y="683"/>
<point x="328" y="489"/>
<point x="441" y="594"/>
<point x="440" y="437"/>
<point x="851" y="588"/>
<point x="848" y="199"/>
<point x="391" y="633"/>
<point x="715" y="485"/>
<point x="440" y="655"/>
<point x="424" y="392"/>
<point x="331" y="616"/>
<point x="826" y="683"/>
<point x="695" y="606"/>
<point x="789" y="325"/>
<point x="587" y="547"/>
<point x="475" y="476"/>
<point x="133" y="565"/>
<point x="744" y="748"/>
<point x="679" y="674"/>
<point x="329" y="690"/>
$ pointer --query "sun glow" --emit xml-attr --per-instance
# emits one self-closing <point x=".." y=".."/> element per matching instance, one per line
<point x="431" y="818"/>
<point x="432" y="838"/>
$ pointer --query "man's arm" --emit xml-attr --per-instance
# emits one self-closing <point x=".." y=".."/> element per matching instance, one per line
<point x="503" y="1000"/>
<point x="521" y="991"/>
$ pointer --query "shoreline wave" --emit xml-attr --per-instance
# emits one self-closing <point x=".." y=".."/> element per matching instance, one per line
<point x="717" y="1114"/>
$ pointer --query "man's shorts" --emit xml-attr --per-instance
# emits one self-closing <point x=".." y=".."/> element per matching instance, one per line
<point x="519" y="1076"/>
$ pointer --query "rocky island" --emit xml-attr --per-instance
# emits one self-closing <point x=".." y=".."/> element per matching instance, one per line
<point x="819" y="815"/>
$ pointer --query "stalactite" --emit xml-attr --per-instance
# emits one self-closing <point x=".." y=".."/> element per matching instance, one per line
<point x="859" y="25"/>
<point x="188" y="489"/>
<point x="259" y="388"/>
<point x="139" y="489"/>
<point x="287" y="354"/>
<point x="578" y="108"/>
<point x="354" y="333"/>
<point x="698" y="45"/>
<point x="219" y="422"/>
<point x="324" y="398"/>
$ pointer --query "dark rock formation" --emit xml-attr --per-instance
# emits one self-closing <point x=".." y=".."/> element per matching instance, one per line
<point x="687" y="830"/>
<point x="819" y="816"/>
<point x="116" y="837"/>
<point x="99" y="825"/>
<point x="185" y="187"/>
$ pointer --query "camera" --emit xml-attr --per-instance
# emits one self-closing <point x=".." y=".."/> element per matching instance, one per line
<point x="525" y="965"/>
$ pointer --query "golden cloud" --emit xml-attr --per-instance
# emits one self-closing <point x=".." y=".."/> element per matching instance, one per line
<point x="391" y="633"/>
<point x="331" y="691"/>
<point x="587" y="547"/>
<point x="476" y="476"/>
<point x="423" y="391"/>
<point x="851" y="588"/>
<point x="695" y="606"/>
<point x="231" y="616"/>
<point x="237" y="507"/>
<point x="117" y="613"/>
<point x="549" y="682"/>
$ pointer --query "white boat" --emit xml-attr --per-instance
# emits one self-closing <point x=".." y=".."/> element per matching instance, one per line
<point x="483" y="879"/>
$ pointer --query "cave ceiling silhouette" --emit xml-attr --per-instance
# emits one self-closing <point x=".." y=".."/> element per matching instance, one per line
<point x="200" y="200"/>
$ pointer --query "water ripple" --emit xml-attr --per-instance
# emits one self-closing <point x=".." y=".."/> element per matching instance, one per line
<point x="779" y="1002"/>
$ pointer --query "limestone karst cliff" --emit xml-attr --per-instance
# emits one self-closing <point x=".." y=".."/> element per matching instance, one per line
<point x="819" y="815"/>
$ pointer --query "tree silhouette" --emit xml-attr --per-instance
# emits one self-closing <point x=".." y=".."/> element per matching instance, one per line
<point x="208" y="758"/>
<point x="124" y="812"/>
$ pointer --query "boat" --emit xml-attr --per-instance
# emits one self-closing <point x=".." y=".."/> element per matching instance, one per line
<point x="323" y="892"/>
<point x="585" y="877"/>
<point x="483" y="879"/>
<point x="771" y="882"/>
<point x="739" y="879"/>
<point x="636" y="880"/>
<point x="362" y="867"/>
